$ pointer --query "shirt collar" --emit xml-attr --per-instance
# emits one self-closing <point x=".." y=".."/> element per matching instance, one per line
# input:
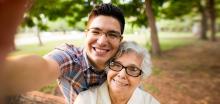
<point x="88" y="64"/>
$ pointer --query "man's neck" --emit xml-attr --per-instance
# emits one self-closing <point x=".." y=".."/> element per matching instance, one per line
<point x="97" y="67"/>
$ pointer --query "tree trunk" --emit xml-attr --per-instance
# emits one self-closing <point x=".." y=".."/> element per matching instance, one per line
<point x="153" y="29"/>
<point x="203" y="35"/>
<point x="212" y="17"/>
<point x="39" y="37"/>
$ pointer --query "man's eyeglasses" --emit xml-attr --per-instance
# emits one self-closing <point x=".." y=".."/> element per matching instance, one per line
<point x="111" y="35"/>
<point x="130" y="70"/>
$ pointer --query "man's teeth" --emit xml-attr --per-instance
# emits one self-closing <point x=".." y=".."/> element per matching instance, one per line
<point x="100" y="50"/>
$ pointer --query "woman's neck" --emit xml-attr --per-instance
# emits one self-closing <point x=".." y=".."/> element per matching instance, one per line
<point x="118" y="98"/>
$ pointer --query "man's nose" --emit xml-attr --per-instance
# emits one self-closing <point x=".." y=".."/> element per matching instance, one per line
<point x="103" y="39"/>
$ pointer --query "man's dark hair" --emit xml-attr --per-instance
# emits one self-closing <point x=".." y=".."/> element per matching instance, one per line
<point x="108" y="10"/>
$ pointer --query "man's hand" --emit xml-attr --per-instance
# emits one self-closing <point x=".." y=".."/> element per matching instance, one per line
<point x="26" y="73"/>
<point x="11" y="15"/>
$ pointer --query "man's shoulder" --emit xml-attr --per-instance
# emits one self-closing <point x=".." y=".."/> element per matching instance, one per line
<point x="67" y="50"/>
<point x="68" y="47"/>
<point x="66" y="53"/>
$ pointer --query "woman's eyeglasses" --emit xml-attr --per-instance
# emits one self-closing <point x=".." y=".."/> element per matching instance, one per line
<point x="130" y="70"/>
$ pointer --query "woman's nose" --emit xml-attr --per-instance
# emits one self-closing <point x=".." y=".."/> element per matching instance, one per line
<point x="122" y="73"/>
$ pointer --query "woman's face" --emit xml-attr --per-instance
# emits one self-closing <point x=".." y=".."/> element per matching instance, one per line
<point x="120" y="82"/>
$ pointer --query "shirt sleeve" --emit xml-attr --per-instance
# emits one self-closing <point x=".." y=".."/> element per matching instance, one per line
<point x="64" y="56"/>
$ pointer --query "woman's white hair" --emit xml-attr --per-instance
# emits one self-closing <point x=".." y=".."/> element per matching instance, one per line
<point x="131" y="46"/>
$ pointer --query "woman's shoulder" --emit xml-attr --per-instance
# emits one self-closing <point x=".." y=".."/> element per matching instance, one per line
<point x="147" y="97"/>
<point x="90" y="92"/>
<point x="93" y="91"/>
<point x="87" y="96"/>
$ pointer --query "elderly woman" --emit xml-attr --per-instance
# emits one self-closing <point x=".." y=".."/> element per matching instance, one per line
<point x="124" y="75"/>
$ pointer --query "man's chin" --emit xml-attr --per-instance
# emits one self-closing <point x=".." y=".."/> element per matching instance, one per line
<point x="100" y="63"/>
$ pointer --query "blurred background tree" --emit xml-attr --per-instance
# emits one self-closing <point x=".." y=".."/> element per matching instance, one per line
<point x="160" y="25"/>
<point x="198" y="16"/>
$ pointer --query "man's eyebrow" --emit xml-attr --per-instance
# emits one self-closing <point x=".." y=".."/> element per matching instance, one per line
<point x="96" y="28"/>
<point x="113" y="31"/>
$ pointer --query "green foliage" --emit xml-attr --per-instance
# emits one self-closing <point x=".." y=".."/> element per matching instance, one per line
<point x="29" y="22"/>
<point x="73" y="11"/>
<point x="70" y="10"/>
<point x="178" y="8"/>
<point x="41" y="26"/>
<point x="135" y="9"/>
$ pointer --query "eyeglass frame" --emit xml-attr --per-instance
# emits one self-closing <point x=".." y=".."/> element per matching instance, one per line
<point x="126" y="68"/>
<point x="119" y="35"/>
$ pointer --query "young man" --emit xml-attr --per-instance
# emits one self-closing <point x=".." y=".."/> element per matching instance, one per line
<point x="77" y="69"/>
<point x="82" y="68"/>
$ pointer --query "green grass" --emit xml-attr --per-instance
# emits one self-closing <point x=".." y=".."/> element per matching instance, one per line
<point x="49" y="88"/>
<point x="172" y="43"/>
<point x="42" y="50"/>
<point x="169" y="40"/>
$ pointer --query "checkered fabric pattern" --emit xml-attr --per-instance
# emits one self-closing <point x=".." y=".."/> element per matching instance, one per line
<point x="76" y="73"/>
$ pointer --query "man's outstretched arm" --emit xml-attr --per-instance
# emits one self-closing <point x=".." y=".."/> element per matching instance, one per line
<point x="25" y="73"/>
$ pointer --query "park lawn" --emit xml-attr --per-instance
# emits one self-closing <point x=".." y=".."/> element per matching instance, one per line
<point x="42" y="50"/>
<point x="168" y="41"/>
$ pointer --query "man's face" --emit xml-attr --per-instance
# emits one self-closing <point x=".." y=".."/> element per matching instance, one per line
<point x="100" y="43"/>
